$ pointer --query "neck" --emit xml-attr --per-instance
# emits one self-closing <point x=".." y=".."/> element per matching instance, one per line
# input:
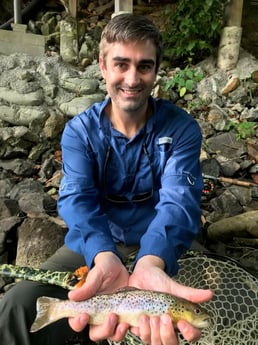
<point x="128" y="123"/>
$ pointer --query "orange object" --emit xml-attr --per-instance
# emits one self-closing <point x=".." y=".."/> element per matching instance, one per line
<point x="81" y="275"/>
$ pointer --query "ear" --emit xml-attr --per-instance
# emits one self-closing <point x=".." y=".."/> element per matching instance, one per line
<point x="102" y="66"/>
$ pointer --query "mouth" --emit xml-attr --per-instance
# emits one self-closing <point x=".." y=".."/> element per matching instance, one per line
<point x="130" y="92"/>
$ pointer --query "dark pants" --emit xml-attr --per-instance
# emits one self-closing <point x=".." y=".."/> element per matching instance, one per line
<point x="18" y="307"/>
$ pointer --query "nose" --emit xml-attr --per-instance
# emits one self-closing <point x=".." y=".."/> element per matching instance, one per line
<point x="132" y="76"/>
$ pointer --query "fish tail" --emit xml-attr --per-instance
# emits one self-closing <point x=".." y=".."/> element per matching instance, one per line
<point x="46" y="313"/>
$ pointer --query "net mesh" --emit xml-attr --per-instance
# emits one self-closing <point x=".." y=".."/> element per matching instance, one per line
<point x="234" y="307"/>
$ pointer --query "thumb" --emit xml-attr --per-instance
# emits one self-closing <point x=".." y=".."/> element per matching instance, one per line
<point x="192" y="294"/>
<point x="88" y="289"/>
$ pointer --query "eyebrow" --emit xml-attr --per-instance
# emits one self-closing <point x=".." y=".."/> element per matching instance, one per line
<point x="143" y="61"/>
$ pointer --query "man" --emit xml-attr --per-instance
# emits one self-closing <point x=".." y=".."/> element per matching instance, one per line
<point x="132" y="182"/>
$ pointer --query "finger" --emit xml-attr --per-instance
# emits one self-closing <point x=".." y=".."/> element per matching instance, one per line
<point x="79" y="323"/>
<point x="155" y="330"/>
<point x="189" y="332"/>
<point x="105" y="330"/>
<point x="135" y="331"/>
<point x="120" y="332"/>
<point x="167" y="332"/>
<point x="144" y="329"/>
<point x="189" y="293"/>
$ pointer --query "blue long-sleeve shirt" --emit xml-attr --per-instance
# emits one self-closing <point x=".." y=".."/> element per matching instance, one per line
<point x="104" y="172"/>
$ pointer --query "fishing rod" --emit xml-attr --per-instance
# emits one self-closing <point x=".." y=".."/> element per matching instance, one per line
<point x="209" y="184"/>
<point x="230" y="180"/>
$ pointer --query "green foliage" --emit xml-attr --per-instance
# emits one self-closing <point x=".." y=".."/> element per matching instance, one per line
<point x="193" y="29"/>
<point x="245" y="129"/>
<point x="184" y="80"/>
<point x="198" y="104"/>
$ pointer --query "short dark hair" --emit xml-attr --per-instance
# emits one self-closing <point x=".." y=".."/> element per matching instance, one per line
<point x="130" y="27"/>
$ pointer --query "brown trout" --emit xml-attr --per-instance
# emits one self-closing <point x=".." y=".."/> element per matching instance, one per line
<point x="128" y="304"/>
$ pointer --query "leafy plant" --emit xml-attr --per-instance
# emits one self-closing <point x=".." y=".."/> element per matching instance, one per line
<point x="184" y="80"/>
<point x="245" y="129"/>
<point x="198" y="104"/>
<point x="193" y="29"/>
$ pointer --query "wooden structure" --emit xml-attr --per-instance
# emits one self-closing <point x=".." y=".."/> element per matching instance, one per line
<point x="230" y="40"/>
<point x="19" y="41"/>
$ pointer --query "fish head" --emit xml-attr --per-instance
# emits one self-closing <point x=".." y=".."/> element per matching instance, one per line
<point x="193" y="313"/>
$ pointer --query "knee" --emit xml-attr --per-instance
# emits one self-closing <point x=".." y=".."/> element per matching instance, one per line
<point x="19" y="300"/>
<point x="24" y="295"/>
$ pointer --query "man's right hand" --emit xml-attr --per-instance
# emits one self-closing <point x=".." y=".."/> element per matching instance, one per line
<point x="107" y="276"/>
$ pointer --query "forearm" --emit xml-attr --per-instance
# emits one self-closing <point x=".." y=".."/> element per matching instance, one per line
<point x="174" y="227"/>
<point x="88" y="230"/>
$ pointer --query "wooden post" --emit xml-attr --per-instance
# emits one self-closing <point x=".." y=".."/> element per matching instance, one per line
<point x="235" y="13"/>
<point x="73" y="8"/>
<point x="69" y="42"/>
<point x="17" y="11"/>
<point x="230" y="40"/>
<point x="123" y="6"/>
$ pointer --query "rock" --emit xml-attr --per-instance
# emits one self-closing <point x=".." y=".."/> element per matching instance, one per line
<point x="8" y="208"/>
<point x="217" y="118"/>
<point x="241" y="225"/>
<point x="227" y="144"/>
<point x="36" y="203"/>
<point x="54" y="126"/>
<point x="228" y="167"/>
<point x="226" y="204"/>
<point x="38" y="238"/>
<point x="19" y="166"/>
<point x="231" y="85"/>
<point x="25" y="185"/>
<point x="80" y="86"/>
<point x="14" y="97"/>
<point x="78" y="104"/>
<point x="7" y="224"/>
<point x="255" y="76"/>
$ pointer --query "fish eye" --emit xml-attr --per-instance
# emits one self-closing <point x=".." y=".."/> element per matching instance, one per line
<point x="197" y="310"/>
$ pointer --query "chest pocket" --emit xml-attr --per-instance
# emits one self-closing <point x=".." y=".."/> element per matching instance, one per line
<point x="164" y="150"/>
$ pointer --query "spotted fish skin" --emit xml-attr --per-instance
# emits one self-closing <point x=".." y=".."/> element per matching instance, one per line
<point x="129" y="305"/>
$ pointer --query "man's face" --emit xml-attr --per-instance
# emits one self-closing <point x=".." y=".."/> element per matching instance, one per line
<point x="130" y="71"/>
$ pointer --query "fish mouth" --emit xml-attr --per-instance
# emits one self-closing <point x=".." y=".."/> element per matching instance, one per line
<point x="205" y="323"/>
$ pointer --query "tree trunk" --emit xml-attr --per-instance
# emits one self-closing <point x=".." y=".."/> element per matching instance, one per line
<point x="230" y="41"/>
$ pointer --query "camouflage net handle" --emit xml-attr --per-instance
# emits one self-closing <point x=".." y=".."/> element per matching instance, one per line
<point x="66" y="280"/>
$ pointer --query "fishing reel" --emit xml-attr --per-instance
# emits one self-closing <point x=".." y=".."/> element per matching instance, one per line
<point x="209" y="187"/>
